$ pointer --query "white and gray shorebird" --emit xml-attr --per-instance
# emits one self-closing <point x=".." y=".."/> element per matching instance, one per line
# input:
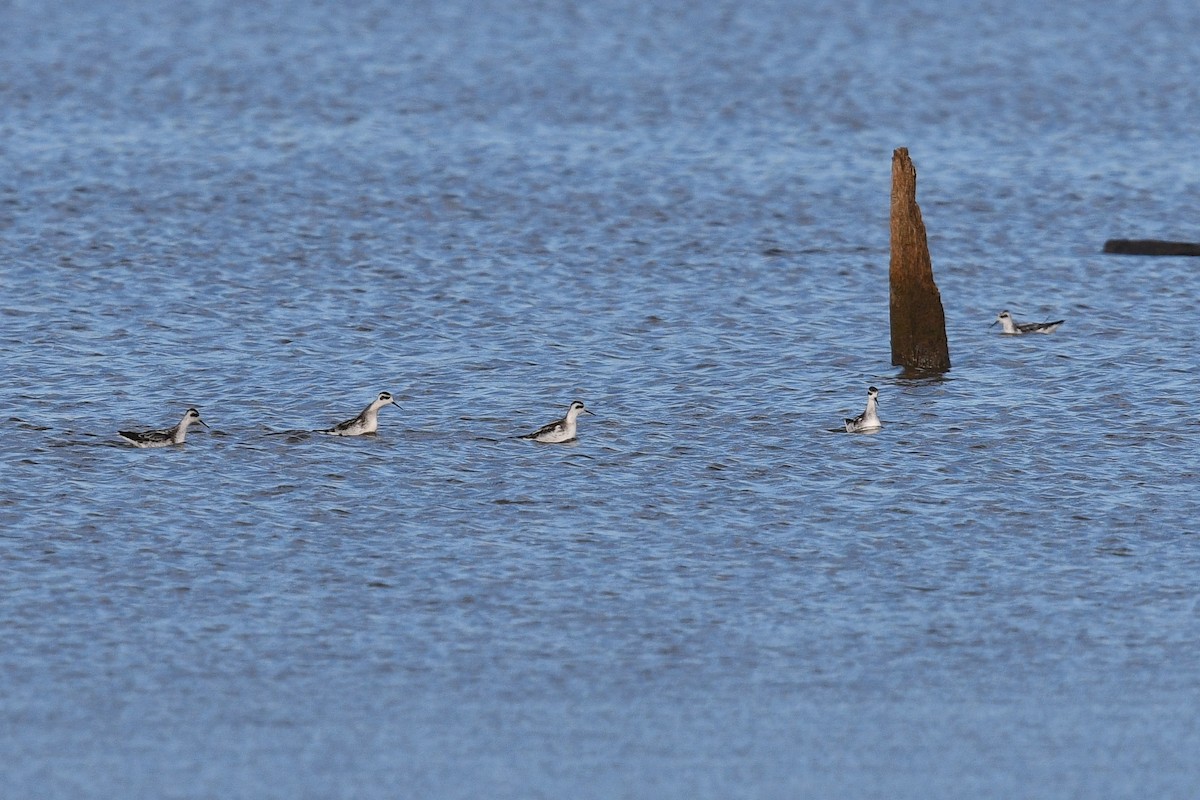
<point x="869" y="419"/>
<point x="366" y="422"/>
<point x="562" y="430"/>
<point x="164" y="436"/>
<point x="1013" y="328"/>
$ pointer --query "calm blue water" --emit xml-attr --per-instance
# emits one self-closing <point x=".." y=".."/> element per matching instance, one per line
<point x="274" y="211"/>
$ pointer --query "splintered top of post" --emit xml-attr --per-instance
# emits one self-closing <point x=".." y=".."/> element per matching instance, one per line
<point x="903" y="171"/>
<point x="910" y="250"/>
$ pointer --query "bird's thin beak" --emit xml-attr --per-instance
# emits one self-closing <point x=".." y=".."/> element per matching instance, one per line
<point x="588" y="412"/>
<point x="997" y="319"/>
<point x="202" y="422"/>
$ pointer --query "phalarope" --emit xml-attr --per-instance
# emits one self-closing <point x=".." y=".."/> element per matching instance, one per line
<point x="1014" y="328"/>
<point x="869" y="419"/>
<point x="562" y="430"/>
<point x="164" y="436"/>
<point x="366" y="422"/>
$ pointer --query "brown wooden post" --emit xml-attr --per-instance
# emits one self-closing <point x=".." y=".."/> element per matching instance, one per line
<point x="918" y="322"/>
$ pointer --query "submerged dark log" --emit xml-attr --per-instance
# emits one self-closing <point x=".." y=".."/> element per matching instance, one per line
<point x="918" y="321"/>
<point x="1151" y="247"/>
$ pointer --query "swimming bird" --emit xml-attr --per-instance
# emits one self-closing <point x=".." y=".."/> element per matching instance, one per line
<point x="1014" y="328"/>
<point x="165" y="436"/>
<point x="869" y="419"/>
<point x="366" y="422"/>
<point x="562" y="430"/>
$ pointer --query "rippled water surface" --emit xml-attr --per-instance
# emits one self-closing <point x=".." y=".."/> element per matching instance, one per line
<point x="678" y="213"/>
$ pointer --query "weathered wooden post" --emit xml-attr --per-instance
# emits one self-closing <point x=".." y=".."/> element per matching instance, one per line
<point x="918" y="322"/>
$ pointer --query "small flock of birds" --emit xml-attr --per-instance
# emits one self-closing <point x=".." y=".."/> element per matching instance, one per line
<point x="561" y="430"/>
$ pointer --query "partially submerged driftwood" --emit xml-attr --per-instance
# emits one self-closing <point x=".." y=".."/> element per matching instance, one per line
<point x="918" y="321"/>
<point x="1151" y="247"/>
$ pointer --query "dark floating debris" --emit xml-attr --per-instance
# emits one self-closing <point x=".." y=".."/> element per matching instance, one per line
<point x="1151" y="247"/>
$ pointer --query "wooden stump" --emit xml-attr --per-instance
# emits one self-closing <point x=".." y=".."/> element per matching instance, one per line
<point x="918" y="322"/>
